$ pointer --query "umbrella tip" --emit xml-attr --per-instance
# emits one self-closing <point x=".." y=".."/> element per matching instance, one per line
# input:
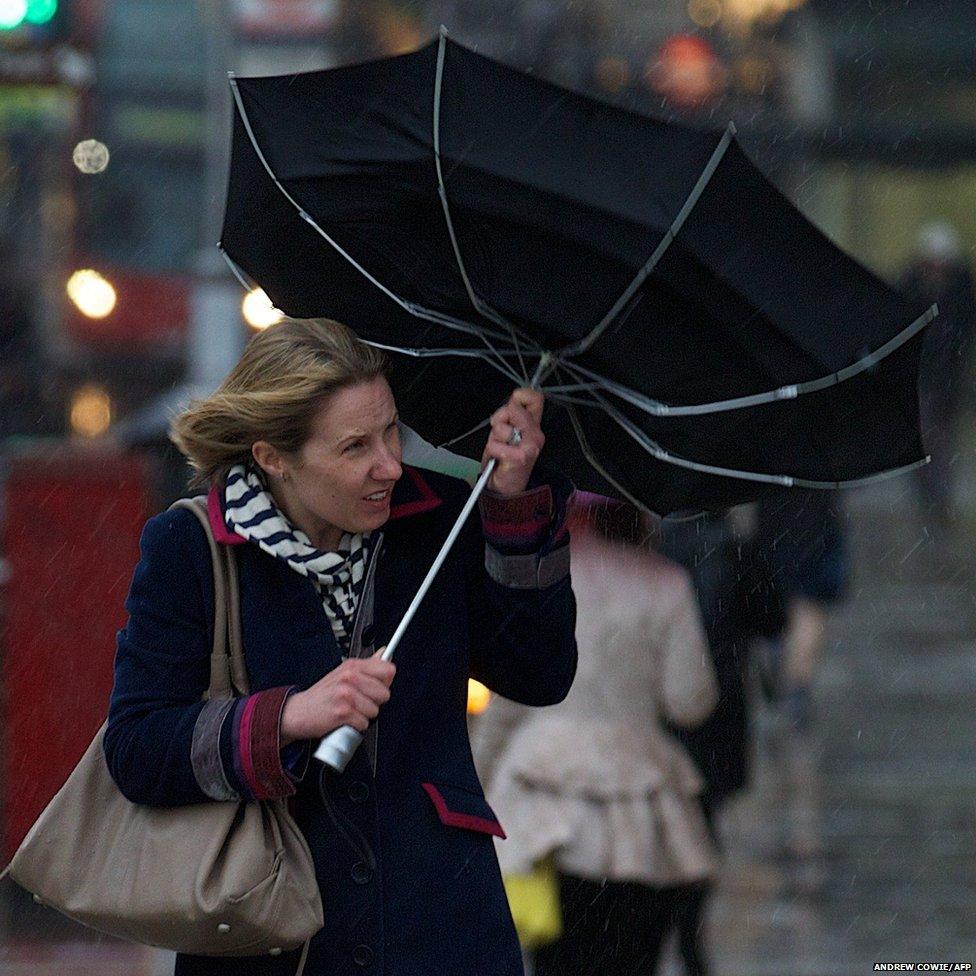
<point x="442" y="31"/>
<point x="732" y="130"/>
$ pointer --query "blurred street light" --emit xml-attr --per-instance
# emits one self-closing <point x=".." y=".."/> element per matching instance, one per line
<point x="90" y="156"/>
<point x="12" y="13"/>
<point x="740" y="16"/>
<point x="687" y="71"/>
<point x="479" y="697"/>
<point x="90" y="411"/>
<point x="93" y="295"/>
<point x="746" y="13"/>
<point x="705" y="13"/>
<point x="258" y="311"/>
<point x="41" y="11"/>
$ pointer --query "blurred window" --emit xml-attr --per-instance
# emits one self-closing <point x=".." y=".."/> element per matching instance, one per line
<point x="143" y="211"/>
<point x="152" y="48"/>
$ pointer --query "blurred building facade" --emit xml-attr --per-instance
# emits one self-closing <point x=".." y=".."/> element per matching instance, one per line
<point x="861" y="111"/>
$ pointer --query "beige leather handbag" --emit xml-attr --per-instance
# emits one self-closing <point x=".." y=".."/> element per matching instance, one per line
<point x="217" y="878"/>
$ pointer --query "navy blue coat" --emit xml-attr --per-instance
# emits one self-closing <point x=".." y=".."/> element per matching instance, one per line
<point x="409" y="880"/>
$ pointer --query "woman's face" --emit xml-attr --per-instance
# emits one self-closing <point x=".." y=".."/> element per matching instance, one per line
<point x="342" y="478"/>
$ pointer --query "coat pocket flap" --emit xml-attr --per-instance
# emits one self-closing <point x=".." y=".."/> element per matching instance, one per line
<point x="458" y="807"/>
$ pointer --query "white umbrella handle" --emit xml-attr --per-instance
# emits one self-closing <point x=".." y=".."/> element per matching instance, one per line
<point x="336" y="749"/>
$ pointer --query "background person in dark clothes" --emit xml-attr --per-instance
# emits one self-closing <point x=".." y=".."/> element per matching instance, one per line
<point x="939" y="272"/>
<point x="799" y="548"/>
<point x="733" y="606"/>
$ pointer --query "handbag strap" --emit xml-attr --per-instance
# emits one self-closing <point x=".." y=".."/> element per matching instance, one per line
<point x="228" y="671"/>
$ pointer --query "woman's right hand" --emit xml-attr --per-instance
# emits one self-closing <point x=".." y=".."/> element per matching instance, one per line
<point x="350" y="694"/>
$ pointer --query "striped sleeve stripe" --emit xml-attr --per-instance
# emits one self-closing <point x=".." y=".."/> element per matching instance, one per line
<point x="270" y="776"/>
<point x="205" y="750"/>
<point x="244" y="747"/>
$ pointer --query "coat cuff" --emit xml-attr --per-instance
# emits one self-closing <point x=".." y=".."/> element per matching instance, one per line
<point x="518" y="523"/>
<point x="527" y="546"/>
<point x="530" y="571"/>
<point x="236" y="752"/>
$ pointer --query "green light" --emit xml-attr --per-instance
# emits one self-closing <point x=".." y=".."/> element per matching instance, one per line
<point x="12" y="13"/>
<point x="40" y="11"/>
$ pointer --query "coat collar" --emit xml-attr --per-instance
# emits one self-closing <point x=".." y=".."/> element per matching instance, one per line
<point x="411" y="496"/>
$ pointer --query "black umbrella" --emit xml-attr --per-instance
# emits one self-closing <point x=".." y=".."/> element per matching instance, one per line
<point x="698" y="339"/>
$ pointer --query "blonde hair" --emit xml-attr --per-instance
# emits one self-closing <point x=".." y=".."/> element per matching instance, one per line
<point x="272" y="394"/>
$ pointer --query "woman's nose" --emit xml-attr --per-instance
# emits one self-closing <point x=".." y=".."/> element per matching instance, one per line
<point x="388" y="467"/>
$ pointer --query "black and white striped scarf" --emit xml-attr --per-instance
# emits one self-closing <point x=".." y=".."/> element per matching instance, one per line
<point x="251" y="512"/>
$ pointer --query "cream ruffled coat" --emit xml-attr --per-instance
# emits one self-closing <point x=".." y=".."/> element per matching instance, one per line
<point x="596" y="781"/>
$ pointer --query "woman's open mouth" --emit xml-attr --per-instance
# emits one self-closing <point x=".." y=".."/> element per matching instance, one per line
<point x="379" y="498"/>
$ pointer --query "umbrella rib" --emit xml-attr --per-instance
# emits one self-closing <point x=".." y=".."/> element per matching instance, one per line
<point x="479" y="306"/>
<point x="489" y="352"/>
<point x="500" y="364"/>
<point x="788" y="392"/>
<point x="563" y="398"/>
<point x="509" y="372"/>
<point x="583" y="344"/>
<point x="785" y="481"/>
<point x="460" y="437"/>
<point x="590" y="456"/>
<point x="413" y="308"/>
<point x="236" y="269"/>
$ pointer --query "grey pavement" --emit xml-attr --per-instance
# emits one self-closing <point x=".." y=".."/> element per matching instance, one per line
<point x="857" y="843"/>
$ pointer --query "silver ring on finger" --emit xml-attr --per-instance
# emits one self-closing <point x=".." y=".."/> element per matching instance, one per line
<point x="516" y="437"/>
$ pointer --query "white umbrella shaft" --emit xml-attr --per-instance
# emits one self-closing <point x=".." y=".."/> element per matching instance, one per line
<point x="337" y="747"/>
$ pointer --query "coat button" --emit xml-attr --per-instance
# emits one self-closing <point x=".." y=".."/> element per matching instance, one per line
<point x="362" y="955"/>
<point x="275" y="951"/>
<point x="361" y="873"/>
<point x="358" y="791"/>
<point x="369" y="635"/>
<point x="223" y="928"/>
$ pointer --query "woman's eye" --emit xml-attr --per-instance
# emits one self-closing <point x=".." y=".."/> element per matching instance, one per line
<point x="354" y="446"/>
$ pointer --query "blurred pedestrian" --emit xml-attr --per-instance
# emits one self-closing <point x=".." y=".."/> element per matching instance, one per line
<point x="799" y="545"/>
<point x="734" y="608"/>
<point x="938" y="271"/>
<point x="595" y="783"/>
<point x="711" y="552"/>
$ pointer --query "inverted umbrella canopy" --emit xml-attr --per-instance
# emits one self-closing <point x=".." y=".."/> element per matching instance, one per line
<point x="698" y="339"/>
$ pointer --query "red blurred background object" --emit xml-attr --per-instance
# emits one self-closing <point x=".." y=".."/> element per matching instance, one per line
<point x="687" y="71"/>
<point x="71" y="540"/>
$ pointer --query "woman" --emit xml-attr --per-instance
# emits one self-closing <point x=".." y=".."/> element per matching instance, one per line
<point x="301" y="453"/>
<point x="596" y="784"/>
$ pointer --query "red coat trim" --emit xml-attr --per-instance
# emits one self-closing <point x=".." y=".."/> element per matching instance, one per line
<point x="465" y="820"/>
<point x="217" y="524"/>
<point x="428" y="497"/>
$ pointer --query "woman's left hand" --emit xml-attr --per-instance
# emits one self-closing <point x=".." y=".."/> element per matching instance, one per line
<point x="515" y="461"/>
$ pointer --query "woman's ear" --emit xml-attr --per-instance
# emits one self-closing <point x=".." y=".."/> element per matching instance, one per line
<point x="268" y="459"/>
